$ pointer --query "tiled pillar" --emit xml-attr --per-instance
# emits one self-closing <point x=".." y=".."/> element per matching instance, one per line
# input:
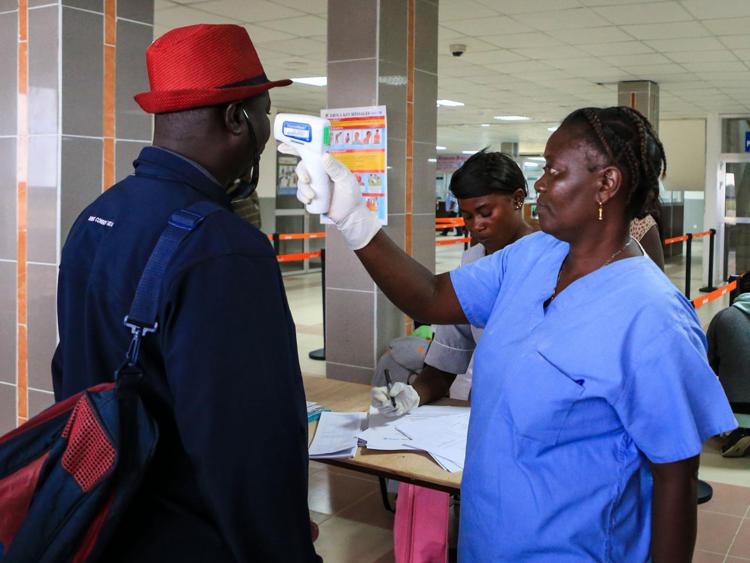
<point x="382" y="52"/>
<point x="642" y="95"/>
<point x="68" y="128"/>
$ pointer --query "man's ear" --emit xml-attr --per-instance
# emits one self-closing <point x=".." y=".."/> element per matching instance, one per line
<point x="610" y="181"/>
<point x="234" y="121"/>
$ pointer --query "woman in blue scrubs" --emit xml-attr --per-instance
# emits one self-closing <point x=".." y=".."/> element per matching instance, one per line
<point x="592" y="393"/>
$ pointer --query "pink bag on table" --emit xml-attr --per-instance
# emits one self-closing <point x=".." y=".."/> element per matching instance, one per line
<point x="420" y="528"/>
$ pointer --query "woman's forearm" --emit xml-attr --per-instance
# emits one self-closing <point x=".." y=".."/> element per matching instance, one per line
<point x="410" y="286"/>
<point x="432" y="384"/>
<point x="674" y="511"/>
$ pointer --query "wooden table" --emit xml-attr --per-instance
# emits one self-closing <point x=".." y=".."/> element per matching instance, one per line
<point x="408" y="467"/>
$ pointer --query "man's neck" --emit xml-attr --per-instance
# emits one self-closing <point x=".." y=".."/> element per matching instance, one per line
<point x="194" y="158"/>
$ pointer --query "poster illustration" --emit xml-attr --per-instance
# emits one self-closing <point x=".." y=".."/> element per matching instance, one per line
<point x="358" y="139"/>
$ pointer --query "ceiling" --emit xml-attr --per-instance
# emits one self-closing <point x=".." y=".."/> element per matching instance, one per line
<point x="537" y="58"/>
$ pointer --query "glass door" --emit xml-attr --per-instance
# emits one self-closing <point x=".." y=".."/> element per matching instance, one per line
<point x="736" y="180"/>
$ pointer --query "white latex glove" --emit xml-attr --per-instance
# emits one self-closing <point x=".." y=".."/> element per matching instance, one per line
<point x="348" y="210"/>
<point x="405" y="396"/>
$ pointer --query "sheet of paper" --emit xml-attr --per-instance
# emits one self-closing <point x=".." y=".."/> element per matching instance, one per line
<point x="336" y="434"/>
<point x="438" y="430"/>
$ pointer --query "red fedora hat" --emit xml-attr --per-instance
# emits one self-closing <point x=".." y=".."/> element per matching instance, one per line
<point x="202" y="65"/>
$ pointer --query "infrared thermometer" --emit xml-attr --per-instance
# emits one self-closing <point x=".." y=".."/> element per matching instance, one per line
<point x="310" y="136"/>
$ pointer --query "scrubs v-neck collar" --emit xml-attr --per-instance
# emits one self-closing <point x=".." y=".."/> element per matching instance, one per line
<point x="584" y="287"/>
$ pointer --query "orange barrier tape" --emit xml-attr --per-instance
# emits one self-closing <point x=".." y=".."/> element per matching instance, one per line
<point x="449" y="221"/>
<point x="298" y="236"/>
<point x="703" y="234"/>
<point x="296" y="257"/>
<point x="452" y="241"/>
<point x="698" y="302"/>
<point x="675" y="239"/>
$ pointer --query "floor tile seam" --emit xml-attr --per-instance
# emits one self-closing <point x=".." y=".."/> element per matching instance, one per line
<point x="348" y="506"/>
<point x="734" y="538"/>
<point x="359" y="476"/>
<point x="740" y="516"/>
<point x="326" y="518"/>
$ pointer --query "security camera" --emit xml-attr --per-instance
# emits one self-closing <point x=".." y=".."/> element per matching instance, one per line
<point x="457" y="49"/>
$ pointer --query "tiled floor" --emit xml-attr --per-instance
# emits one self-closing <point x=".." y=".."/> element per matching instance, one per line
<point x="354" y="526"/>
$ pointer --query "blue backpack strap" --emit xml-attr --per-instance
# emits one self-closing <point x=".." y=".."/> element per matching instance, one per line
<point x="144" y="309"/>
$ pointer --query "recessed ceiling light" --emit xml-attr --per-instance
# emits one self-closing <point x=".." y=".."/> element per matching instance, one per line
<point x="439" y="148"/>
<point x="449" y="103"/>
<point x="551" y="129"/>
<point x="512" y="118"/>
<point x="312" y="80"/>
<point x="469" y="152"/>
<point x="537" y="158"/>
<point x="485" y="125"/>
<point x="432" y="160"/>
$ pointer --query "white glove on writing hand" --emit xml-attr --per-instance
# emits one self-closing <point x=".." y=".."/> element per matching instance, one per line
<point x="405" y="396"/>
<point x="348" y="210"/>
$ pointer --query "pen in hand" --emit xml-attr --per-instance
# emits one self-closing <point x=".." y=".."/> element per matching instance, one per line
<point x="388" y="384"/>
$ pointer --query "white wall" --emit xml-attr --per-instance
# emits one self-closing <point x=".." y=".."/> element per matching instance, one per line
<point x="684" y="142"/>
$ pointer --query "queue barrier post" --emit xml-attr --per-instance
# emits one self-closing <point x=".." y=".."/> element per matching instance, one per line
<point x="320" y="353"/>
<point x="710" y="286"/>
<point x="735" y="293"/>
<point x="688" y="263"/>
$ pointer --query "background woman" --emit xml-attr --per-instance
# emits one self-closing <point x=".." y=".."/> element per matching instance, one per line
<point x="490" y="189"/>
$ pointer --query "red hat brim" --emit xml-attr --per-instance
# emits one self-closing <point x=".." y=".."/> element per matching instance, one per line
<point x="177" y="100"/>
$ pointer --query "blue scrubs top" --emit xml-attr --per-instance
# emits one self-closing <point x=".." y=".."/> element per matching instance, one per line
<point x="570" y="403"/>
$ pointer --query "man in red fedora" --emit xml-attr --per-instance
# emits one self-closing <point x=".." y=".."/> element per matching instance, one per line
<point x="229" y="477"/>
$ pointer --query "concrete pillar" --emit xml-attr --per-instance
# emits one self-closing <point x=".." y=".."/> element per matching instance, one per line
<point x="642" y="95"/>
<point x="382" y="52"/>
<point x="68" y="128"/>
<point x="511" y="149"/>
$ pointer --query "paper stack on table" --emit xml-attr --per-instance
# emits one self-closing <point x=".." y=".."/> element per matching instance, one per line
<point x="438" y="430"/>
<point x="313" y="411"/>
<point x="336" y="435"/>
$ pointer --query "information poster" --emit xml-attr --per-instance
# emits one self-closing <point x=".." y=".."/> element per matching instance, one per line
<point x="359" y="140"/>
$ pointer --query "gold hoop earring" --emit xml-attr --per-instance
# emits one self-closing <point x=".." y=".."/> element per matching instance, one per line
<point x="601" y="212"/>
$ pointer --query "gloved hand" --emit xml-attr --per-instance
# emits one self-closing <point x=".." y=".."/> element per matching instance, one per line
<point x="405" y="396"/>
<point x="348" y="210"/>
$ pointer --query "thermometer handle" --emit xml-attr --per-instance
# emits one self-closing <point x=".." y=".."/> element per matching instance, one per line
<point x="319" y="180"/>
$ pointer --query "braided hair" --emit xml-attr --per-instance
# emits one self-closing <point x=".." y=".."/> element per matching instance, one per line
<point x="486" y="173"/>
<point x="627" y="140"/>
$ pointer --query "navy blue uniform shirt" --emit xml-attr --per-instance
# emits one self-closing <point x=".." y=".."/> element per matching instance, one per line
<point x="229" y="480"/>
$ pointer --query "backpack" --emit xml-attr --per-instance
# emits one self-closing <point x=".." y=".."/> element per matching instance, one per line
<point x="69" y="473"/>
